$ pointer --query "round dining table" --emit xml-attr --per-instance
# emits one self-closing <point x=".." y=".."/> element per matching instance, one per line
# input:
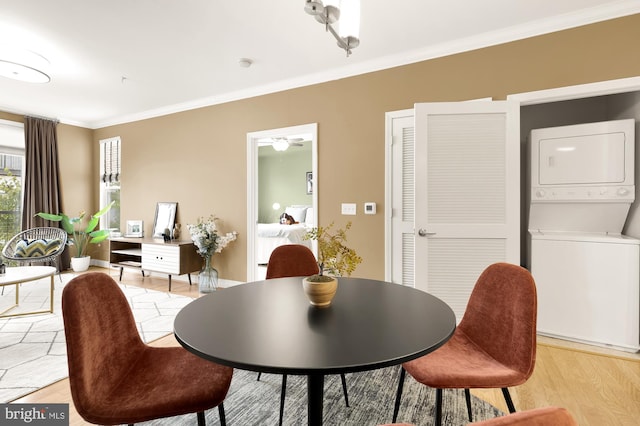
<point x="270" y="326"/>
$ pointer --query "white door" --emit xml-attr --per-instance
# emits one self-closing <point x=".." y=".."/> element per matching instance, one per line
<point x="467" y="188"/>
<point x="400" y="184"/>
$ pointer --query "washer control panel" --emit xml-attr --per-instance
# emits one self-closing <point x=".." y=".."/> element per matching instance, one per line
<point x="583" y="193"/>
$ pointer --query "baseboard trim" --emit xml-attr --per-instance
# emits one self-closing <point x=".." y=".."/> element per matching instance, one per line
<point x="587" y="349"/>
<point x="223" y="283"/>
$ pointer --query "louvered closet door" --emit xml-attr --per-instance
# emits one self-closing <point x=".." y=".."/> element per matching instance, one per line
<point x="403" y="204"/>
<point x="467" y="194"/>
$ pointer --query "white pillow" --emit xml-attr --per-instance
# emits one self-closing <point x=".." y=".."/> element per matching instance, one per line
<point x="309" y="219"/>
<point x="299" y="213"/>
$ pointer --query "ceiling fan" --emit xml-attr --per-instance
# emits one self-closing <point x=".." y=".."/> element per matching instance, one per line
<point x="281" y="143"/>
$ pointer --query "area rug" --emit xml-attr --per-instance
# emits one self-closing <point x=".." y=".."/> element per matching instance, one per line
<point x="32" y="347"/>
<point x="371" y="398"/>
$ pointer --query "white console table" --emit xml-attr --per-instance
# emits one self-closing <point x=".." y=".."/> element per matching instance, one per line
<point x="154" y="255"/>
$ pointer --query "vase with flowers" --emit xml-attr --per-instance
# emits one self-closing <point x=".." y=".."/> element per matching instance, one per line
<point x="208" y="240"/>
<point x="335" y="259"/>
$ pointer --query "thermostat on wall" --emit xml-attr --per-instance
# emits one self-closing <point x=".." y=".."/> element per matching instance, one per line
<point x="369" y="208"/>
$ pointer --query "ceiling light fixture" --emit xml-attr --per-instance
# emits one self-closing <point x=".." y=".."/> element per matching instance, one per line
<point x="23" y="65"/>
<point x="344" y="12"/>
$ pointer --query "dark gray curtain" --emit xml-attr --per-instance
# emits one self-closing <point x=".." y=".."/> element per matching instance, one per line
<point x="41" y="178"/>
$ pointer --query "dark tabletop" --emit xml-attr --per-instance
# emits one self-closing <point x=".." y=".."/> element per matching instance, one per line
<point x="269" y="326"/>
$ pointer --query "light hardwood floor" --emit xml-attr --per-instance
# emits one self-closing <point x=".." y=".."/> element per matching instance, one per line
<point x="598" y="386"/>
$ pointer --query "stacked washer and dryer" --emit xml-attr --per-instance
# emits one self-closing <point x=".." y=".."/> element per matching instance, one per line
<point x="587" y="273"/>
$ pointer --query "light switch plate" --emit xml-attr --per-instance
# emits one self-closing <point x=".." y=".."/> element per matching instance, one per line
<point x="349" y="209"/>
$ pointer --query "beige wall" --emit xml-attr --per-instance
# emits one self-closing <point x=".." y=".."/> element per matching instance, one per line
<point x="198" y="157"/>
<point x="77" y="178"/>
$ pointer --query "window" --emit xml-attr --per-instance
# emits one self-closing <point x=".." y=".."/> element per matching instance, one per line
<point x="110" y="182"/>
<point x="11" y="175"/>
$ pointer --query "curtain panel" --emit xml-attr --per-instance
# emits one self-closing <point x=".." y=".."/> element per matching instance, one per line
<point x="41" y="177"/>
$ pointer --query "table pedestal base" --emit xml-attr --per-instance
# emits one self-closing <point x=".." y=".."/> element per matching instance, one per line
<point x="315" y="389"/>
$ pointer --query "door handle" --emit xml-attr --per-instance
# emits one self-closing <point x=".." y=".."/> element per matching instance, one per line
<point x="423" y="233"/>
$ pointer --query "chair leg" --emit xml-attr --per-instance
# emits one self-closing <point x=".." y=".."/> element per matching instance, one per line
<point x="223" y="419"/>
<point x="467" y="397"/>
<point x="54" y="263"/>
<point x="438" y="421"/>
<point x="344" y="389"/>
<point x="507" y="398"/>
<point x="396" y="405"/>
<point x="201" y="420"/>
<point x="283" y="392"/>
<point x="259" y="374"/>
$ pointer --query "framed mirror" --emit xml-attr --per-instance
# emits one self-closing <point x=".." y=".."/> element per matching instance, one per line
<point x="165" y="218"/>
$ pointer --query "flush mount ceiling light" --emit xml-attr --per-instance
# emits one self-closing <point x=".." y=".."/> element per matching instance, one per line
<point x="346" y="13"/>
<point x="23" y="65"/>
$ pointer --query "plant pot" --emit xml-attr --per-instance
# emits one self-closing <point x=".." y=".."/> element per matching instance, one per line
<point x="80" y="264"/>
<point x="320" y="293"/>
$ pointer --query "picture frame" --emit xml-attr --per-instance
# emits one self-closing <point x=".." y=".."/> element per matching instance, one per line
<point x="309" y="178"/>
<point x="135" y="229"/>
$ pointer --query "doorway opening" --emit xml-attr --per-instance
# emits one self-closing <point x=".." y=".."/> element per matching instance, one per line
<point x="282" y="175"/>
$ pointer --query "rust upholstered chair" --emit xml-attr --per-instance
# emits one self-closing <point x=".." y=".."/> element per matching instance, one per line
<point x="115" y="377"/>
<point x="494" y="346"/>
<point x="291" y="260"/>
<point x="547" y="416"/>
<point x="294" y="260"/>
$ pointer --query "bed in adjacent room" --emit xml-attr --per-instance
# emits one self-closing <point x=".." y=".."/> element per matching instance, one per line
<point x="272" y="235"/>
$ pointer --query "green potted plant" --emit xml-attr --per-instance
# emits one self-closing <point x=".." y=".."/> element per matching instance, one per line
<point x="80" y="234"/>
<point x="335" y="259"/>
